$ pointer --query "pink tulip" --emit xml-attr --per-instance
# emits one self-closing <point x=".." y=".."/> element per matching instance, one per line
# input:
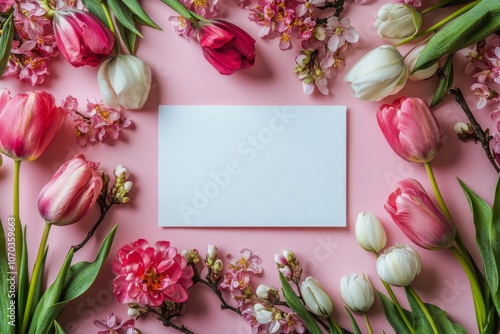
<point x="28" y="123"/>
<point x="411" y="129"/>
<point x="226" y="46"/>
<point x="71" y="192"/>
<point x="418" y="217"/>
<point x="81" y="38"/>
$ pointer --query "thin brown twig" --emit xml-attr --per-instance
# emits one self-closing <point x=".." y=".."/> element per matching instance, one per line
<point x="483" y="136"/>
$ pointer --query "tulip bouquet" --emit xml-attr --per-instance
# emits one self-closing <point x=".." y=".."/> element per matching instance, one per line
<point x="28" y="125"/>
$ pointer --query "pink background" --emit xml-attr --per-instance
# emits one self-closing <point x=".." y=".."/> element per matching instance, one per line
<point x="182" y="76"/>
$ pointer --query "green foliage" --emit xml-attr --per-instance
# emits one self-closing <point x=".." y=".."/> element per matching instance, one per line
<point x="421" y="324"/>
<point x="445" y="81"/>
<point x="487" y="223"/>
<point x="393" y="317"/>
<point x="467" y="29"/>
<point x="354" y="324"/>
<point x="6" y="42"/>
<point x="71" y="282"/>
<point x="5" y="301"/>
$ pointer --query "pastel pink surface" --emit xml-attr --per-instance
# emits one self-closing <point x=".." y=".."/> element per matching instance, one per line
<point x="182" y="76"/>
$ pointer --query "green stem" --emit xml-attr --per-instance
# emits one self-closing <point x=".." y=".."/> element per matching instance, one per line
<point x="437" y="192"/>
<point x="439" y="24"/>
<point x="367" y="322"/>
<point x="436" y="6"/>
<point x="334" y="325"/>
<point x="17" y="221"/>
<point x="398" y="306"/>
<point x="34" y="278"/>
<point x="446" y="212"/>
<point x="479" y="304"/>
<point x="424" y="309"/>
<point x="111" y="26"/>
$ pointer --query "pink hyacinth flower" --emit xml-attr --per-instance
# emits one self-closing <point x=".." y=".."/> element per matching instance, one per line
<point x="150" y="275"/>
<point x="418" y="217"/>
<point x="28" y="124"/>
<point x="411" y="129"/>
<point x="227" y="47"/>
<point x="71" y="192"/>
<point x="81" y="38"/>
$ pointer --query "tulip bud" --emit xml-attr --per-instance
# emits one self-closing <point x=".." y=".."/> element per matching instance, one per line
<point x="71" y="192"/>
<point x="399" y="265"/>
<point x="418" y="217"/>
<point x="28" y="124"/>
<point x="316" y="298"/>
<point x="381" y="72"/>
<point x="370" y="233"/>
<point x="81" y="38"/>
<point x="357" y="292"/>
<point x="411" y="59"/>
<point x="124" y="81"/>
<point x="397" y="21"/>
<point x="226" y="46"/>
<point x="411" y="129"/>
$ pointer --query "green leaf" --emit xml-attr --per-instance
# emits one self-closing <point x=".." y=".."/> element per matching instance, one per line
<point x="467" y="29"/>
<point x="486" y="222"/>
<point x="7" y="325"/>
<point x="23" y="279"/>
<point x="393" y="317"/>
<point x="6" y="42"/>
<point x="445" y="81"/>
<point x="354" y="324"/>
<point x="493" y="268"/>
<point x="58" y="328"/>
<point x="296" y="305"/>
<point x="123" y="15"/>
<point x="440" y="317"/>
<point x="95" y="7"/>
<point x="136" y="8"/>
<point x="128" y="37"/>
<point x="179" y="8"/>
<point x="78" y="279"/>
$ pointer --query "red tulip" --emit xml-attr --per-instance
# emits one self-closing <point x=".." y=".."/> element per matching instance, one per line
<point x="81" y="38"/>
<point x="411" y="129"/>
<point x="418" y="217"/>
<point x="28" y="123"/>
<point x="226" y="46"/>
<point x="71" y="192"/>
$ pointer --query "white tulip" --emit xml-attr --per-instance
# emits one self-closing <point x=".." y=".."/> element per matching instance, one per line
<point x="411" y="59"/>
<point x="381" y="72"/>
<point x="316" y="299"/>
<point x="397" y="21"/>
<point x="399" y="265"/>
<point x="357" y="292"/>
<point x="370" y="233"/>
<point x="124" y="81"/>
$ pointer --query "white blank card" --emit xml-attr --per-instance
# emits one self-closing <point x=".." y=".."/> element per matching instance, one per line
<point x="252" y="166"/>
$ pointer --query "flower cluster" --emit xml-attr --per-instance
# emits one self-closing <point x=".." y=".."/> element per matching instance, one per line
<point x="112" y="325"/>
<point x="324" y="41"/>
<point x="96" y="123"/>
<point x="34" y="43"/>
<point x="28" y="125"/>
